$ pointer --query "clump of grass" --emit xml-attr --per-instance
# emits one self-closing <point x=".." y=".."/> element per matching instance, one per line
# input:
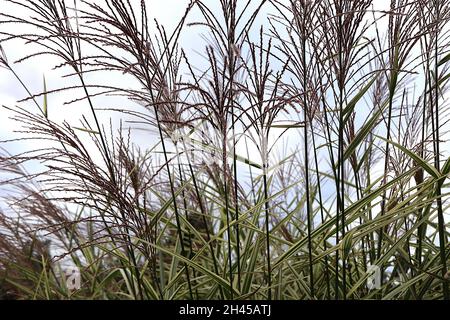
<point x="282" y="160"/>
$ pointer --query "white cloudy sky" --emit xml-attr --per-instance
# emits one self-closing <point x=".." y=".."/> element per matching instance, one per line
<point x="167" y="12"/>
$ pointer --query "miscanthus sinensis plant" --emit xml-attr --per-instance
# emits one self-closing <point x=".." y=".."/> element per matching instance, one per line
<point x="295" y="150"/>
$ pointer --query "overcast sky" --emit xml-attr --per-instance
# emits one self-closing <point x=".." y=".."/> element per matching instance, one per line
<point x="167" y="12"/>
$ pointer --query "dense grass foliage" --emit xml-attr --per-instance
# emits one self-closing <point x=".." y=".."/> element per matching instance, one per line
<point x="298" y="148"/>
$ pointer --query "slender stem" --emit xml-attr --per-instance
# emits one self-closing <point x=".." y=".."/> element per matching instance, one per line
<point x="227" y="207"/>
<point x="306" y="118"/>
<point x="392" y="86"/>
<point x="231" y="70"/>
<point x="183" y="195"/>
<point x="420" y="229"/>
<point x="321" y="203"/>
<point x="341" y="206"/>
<point x="441" y="221"/>
<point x="203" y="213"/>
<point x="172" y="191"/>
<point x="266" y="206"/>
